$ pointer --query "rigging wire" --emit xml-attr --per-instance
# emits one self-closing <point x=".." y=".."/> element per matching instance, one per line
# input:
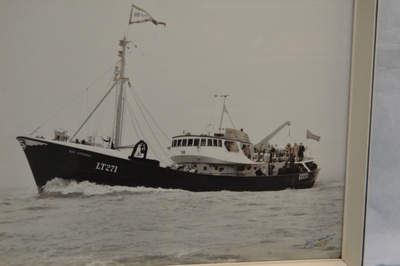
<point x="76" y="97"/>
<point x="144" y="107"/>
<point x="288" y="136"/>
<point x="133" y="117"/>
<point x="131" y="113"/>
<point x="103" y="110"/>
<point x="115" y="115"/>
<point x="88" y="111"/>
<point x="231" y="120"/>
<point x="137" y="99"/>
<point x="148" y="124"/>
<point x="94" y="110"/>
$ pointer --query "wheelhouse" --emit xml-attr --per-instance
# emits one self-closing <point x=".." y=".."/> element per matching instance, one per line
<point x="196" y="141"/>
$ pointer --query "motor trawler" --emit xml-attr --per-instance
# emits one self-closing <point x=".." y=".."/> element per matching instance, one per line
<point x="224" y="160"/>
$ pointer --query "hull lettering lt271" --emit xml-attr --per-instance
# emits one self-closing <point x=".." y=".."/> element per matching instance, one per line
<point x="106" y="167"/>
<point x="303" y="176"/>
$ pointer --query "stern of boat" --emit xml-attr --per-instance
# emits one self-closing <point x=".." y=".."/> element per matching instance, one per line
<point x="309" y="181"/>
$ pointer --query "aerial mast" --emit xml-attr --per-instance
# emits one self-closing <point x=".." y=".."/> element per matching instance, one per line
<point x="223" y="111"/>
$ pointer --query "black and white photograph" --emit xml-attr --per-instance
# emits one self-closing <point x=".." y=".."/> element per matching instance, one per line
<point x="173" y="132"/>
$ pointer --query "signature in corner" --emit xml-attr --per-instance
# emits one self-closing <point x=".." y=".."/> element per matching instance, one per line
<point x="319" y="242"/>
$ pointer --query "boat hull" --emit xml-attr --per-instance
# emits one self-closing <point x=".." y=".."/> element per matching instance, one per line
<point x="49" y="160"/>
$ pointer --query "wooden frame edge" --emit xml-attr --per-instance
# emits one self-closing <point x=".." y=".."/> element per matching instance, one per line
<point x="358" y="130"/>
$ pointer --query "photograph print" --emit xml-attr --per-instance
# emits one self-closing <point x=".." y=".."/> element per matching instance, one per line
<point x="173" y="132"/>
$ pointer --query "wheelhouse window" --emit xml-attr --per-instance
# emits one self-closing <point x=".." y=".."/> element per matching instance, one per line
<point x="203" y="142"/>
<point x="231" y="146"/>
<point x="210" y="142"/>
<point x="190" y="142"/>
<point x="196" y="142"/>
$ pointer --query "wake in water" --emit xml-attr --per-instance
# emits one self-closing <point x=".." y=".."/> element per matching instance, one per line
<point x="86" y="188"/>
<point x="58" y="187"/>
<point x="61" y="188"/>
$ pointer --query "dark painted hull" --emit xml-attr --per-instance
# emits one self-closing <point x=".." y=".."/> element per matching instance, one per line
<point x="50" y="159"/>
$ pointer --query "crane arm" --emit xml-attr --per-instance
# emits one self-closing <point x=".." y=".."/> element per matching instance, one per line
<point x="270" y="136"/>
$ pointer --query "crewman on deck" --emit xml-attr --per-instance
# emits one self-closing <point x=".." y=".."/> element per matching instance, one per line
<point x="301" y="152"/>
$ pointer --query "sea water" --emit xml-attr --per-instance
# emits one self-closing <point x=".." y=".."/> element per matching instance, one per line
<point x="88" y="224"/>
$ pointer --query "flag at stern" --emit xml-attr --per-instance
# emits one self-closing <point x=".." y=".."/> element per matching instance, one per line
<point x="312" y="136"/>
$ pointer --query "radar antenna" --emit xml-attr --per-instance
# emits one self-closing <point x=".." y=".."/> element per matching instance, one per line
<point x="224" y="110"/>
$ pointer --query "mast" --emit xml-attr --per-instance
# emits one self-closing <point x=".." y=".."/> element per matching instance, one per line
<point x="223" y="111"/>
<point x="120" y="95"/>
<point x="139" y="16"/>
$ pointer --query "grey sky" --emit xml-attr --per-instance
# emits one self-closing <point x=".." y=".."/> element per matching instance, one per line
<point x="280" y="60"/>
